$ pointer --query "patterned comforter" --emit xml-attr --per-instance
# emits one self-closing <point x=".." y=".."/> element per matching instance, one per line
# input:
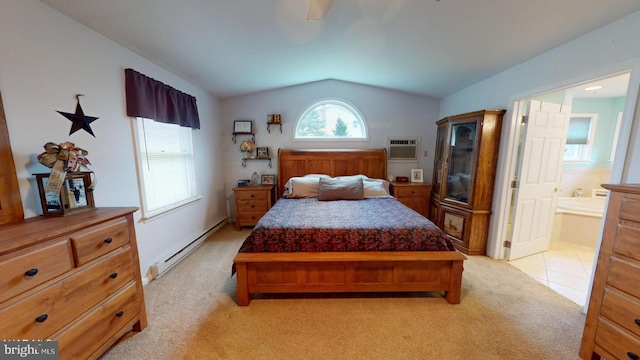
<point x="376" y="224"/>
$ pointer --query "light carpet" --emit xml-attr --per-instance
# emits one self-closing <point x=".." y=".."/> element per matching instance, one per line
<point x="503" y="314"/>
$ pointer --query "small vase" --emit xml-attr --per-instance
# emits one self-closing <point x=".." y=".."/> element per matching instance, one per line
<point x="244" y="155"/>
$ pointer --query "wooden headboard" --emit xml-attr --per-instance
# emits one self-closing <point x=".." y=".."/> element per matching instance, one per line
<point x="333" y="162"/>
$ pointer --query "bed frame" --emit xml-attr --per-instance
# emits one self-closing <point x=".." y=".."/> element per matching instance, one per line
<point x="339" y="272"/>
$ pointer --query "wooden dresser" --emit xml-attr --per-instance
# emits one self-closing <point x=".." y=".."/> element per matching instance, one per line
<point x="252" y="202"/>
<point x="414" y="195"/>
<point x="74" y="279"/>
<point x="612" y="326"/>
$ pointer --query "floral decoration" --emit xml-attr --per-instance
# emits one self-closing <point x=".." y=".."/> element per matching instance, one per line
<point x="247" y="146"/>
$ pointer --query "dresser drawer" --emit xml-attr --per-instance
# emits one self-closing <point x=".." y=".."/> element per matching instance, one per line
<point x="625" y="275"/>
<point x="630" y="210"/>
<point x="251" y="195"/>
<point x="43" y="313"/>
<point x="616" y="341"/>
<point x="99" y="240"/>
<point x="622" y="309"/>
<point x="25" y="269"/>
<point x="626" y="241"/>
<point x="85" y="336"/>
<point x="411" y="191"/>
<point x="253" y="205"/>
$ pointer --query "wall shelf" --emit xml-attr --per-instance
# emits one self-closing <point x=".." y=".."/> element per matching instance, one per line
<point x="244" y="161"/>
<point x="273" y="123"/>
<point x="233" y="136"/>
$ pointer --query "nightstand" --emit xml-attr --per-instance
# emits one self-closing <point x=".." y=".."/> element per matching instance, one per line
<point x="414" y="195"/>
<point x="252" y="202"/>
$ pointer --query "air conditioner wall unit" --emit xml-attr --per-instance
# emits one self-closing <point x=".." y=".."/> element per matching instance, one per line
<point x="403" y="149"/>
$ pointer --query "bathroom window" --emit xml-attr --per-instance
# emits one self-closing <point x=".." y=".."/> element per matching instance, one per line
<point x="331" y="120"/>
<point x="582" y="130"/>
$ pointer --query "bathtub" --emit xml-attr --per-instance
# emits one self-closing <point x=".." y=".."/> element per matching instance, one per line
<point x="585" y="206"/>
<point x="577" y="220"/>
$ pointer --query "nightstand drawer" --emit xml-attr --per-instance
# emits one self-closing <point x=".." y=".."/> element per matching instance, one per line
<point x="626" y="241"/>
<point x="253" y="205"/>
<point x="99" y="240"/>
<point x="252" y="195"/>
<point x="250" y="218"/>
<point x="412" y="191"/>
<point x="25" y="269"/>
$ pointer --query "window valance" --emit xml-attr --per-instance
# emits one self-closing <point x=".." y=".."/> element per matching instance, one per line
<point x="151" y="99"/>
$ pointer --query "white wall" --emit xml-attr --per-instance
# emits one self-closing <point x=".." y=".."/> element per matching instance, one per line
<point x="47" y="58"/>
<point x="387" y="113"/>
<point x="613" y="48"/>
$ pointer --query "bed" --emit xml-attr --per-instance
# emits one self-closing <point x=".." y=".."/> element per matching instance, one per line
<point x="280" y="257"/>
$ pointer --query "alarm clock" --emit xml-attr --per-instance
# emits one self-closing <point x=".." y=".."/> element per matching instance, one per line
<point x="402" y="178"/>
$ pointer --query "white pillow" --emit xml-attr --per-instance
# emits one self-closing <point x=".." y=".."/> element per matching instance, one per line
<point x="375" y="188"/>
<point x="318" y="176"/>
<point x="352" y="177"/>
<point x="301" y="187"/>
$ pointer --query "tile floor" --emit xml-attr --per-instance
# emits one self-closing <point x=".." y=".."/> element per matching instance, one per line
<point x="565" y="268"/>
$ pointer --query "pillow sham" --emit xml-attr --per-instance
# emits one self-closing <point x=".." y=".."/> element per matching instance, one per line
<point x="340" y="189"/>
<point x="301" y="187"/>
<point x="374" y="188"/>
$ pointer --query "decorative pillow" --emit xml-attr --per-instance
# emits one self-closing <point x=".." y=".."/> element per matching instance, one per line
<point x="374" y="188"/>
<point x="339" y="189"/>
<point x="301" y="187"/>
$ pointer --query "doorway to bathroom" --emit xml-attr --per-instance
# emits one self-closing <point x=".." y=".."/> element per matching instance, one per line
<point x="557" y="246"/>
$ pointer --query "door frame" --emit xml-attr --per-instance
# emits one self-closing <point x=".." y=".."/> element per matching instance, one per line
<point x="498" y="227"/>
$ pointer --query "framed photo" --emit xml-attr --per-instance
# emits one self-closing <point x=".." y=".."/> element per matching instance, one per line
<point x="262" y="152"/>
<point x="75" y="194"/>
<point x="416" y="175"/>
<point x="243" y="127"/>
<point x="268" y="179"/>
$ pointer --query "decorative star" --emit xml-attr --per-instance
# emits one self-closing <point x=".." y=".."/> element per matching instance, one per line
<point x="79" y="120"/>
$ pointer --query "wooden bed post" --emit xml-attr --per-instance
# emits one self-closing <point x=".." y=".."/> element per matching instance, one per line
<point x="453" y="294"/>
<point x="243" y="285"/>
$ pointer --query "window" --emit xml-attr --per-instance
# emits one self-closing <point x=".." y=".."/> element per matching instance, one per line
<point x="330" y="119"/>
<point x="166" y="168"/>
<point x="582" y="129"/>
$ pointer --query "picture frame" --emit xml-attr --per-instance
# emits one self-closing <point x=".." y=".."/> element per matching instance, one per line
<point x="243" y="127"/>
<point x="75" y="194"/>
<point x="417" y="175"/>
<point x="268" y="180"/>
<point x="262" y="152"/>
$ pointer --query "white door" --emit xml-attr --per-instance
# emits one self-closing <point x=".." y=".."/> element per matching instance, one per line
<point x="540" y="169"/>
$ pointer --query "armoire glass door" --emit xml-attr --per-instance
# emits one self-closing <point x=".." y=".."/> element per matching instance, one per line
<point x="461" y="155"/>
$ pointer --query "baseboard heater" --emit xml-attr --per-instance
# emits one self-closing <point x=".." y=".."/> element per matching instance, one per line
<point x="160" y="268"/>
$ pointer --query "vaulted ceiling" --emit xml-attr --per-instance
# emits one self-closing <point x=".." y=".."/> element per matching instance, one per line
<point x="428" y="47"/>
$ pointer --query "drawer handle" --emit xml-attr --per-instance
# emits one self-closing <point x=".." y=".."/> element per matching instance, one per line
<point x="633" y="356"/>
<point x="114" y="275"/>
<point x="42" y="318"/>
<point x="637" y="321"/>
<point x="252" y="206"/>
<point x="108" y="240"/>
<point x="251" y="195"/>
<point x="31" y="272"/>
<point x="120" y="313"/>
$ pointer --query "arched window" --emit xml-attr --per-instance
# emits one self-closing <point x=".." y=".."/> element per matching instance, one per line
<point x="331" y="120"/>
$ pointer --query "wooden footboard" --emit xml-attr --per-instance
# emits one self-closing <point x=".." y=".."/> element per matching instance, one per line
<point x="349" y="272"/>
